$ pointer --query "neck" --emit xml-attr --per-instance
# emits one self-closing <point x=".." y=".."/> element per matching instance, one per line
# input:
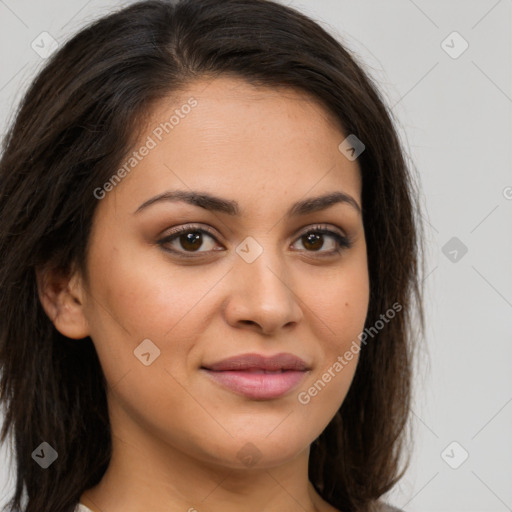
<point x="146" y="473"/>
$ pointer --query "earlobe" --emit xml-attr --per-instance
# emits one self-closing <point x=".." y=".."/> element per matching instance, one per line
<point x="62" y="298"/>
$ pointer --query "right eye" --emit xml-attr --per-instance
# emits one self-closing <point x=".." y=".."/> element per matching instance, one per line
<point x="187" y="239"/>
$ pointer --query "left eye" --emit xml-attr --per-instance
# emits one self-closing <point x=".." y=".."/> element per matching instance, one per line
<point x="191" y="239"/>
<point x="314" y="240"/>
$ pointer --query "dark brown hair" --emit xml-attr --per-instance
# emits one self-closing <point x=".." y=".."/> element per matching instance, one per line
<point x="75" y="125"/>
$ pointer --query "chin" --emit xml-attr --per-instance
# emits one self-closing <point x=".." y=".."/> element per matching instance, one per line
<point x="258" y="451"/>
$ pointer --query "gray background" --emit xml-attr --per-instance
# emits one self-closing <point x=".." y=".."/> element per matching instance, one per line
<point x="455" y="119"/>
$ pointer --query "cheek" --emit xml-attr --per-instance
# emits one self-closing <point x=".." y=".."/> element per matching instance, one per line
<point x="137" y="296"/>
<point x="145" y="295"/>
<point x="145" y="317"/>
<point x="341" y="307"/>
<point x="341" y="303"/>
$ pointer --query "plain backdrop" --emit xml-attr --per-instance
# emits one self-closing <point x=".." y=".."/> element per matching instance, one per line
<point x="445" y="70"/>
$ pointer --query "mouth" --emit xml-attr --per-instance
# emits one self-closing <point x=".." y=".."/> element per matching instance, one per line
<point x="258" y="377"/>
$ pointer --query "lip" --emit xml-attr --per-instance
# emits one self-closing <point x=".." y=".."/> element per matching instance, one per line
<point x="258" y="377"/>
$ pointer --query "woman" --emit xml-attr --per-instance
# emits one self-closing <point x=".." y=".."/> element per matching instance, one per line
<point x="209" y="265"/>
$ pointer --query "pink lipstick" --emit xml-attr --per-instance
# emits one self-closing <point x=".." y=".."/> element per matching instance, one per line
<point x="258" y="377"/>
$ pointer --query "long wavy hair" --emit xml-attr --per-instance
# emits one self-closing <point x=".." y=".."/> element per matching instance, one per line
<point x="76" y="123"/>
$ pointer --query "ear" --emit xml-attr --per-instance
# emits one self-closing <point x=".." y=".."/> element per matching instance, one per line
<point x="62" y="298"/>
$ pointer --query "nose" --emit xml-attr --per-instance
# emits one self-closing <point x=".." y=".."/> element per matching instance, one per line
<point x="261" y="295"/>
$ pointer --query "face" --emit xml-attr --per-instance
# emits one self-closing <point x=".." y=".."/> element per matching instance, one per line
<point x="244" y="262"/>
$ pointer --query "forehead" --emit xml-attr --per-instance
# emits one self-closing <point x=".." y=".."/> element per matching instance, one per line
<point x="228" y="137"/>
<point x="229" y="105"/>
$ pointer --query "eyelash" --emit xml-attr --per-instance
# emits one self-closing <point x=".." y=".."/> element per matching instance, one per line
<point x="342" y="241"/>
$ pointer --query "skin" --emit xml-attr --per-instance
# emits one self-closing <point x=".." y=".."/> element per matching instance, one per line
<point x="176" y="433"/>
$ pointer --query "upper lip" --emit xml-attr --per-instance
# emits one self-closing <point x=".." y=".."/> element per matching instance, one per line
<point x="242" y="362"/>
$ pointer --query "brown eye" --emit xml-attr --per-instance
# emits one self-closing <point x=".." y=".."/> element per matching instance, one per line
<point x="191" y="241"/>
<point x="187" y="239"/>
<point x="324" y="241"/>
<point x="313" y="241"/>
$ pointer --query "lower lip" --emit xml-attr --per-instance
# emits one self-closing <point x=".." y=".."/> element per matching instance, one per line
<point x="258" y="386"/>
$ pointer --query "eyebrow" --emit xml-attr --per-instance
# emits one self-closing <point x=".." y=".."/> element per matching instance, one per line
<point x="230" y="207"/>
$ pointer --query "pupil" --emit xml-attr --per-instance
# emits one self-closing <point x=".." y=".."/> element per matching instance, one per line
<point x="314" y="241"/>
<point x="189" y="240"/>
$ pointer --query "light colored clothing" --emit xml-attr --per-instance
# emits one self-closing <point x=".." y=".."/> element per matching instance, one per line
<point x="387" y="508"/>
<point x="82" y="508"/>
